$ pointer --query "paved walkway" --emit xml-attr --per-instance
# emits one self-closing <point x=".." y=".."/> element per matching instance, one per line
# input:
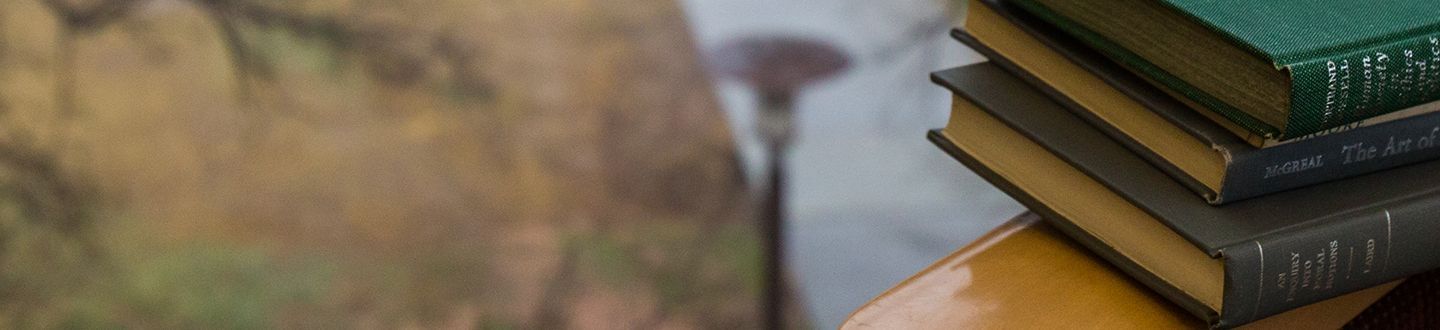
<point x="873" y="201"/>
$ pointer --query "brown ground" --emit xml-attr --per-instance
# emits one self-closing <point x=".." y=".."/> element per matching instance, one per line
<point x="456" y="164"/>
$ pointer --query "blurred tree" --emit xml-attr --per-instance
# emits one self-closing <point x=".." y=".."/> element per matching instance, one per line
<point x="444" y="163"/>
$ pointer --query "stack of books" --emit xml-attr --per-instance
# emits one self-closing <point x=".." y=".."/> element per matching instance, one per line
<point x="1240" y="158"/>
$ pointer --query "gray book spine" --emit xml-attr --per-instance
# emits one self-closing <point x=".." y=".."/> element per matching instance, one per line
<point x="1256" y="172"/>
<point x="1347" y="252"/>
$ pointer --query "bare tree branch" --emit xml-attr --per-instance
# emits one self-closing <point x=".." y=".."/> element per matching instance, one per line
<point x="46" y="195"/>
<point x="242" y="60"/>
<point x="94" y="16"/>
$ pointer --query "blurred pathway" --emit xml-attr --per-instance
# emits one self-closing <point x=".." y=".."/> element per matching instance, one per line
<point x="872" y="200"/>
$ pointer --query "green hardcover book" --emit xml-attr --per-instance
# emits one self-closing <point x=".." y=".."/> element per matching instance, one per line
<point x="1278" y="68"/>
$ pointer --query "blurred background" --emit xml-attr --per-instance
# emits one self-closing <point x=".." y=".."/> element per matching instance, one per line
<point x="459" y="164"/>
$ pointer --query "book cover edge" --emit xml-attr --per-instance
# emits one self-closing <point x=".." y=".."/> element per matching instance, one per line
<point x="1135" y="271"/>
<point x="1244" y="161"/>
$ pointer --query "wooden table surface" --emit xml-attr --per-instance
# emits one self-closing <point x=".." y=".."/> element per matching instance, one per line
<point x="1025" y="274"/>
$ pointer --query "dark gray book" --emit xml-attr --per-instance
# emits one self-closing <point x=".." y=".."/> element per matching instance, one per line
<point x="1231" y="264"/>
<point x="1247" y="171"/>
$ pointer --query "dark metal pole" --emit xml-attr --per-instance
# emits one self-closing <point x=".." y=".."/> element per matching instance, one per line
<point x="774" y="124"/>
<point x="777" y="67"/>
<point x="774" y="226"/>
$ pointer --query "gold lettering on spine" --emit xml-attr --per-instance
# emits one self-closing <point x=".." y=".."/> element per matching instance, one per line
<point x="1261" y="291"/>
<point x="1388" y="242"/>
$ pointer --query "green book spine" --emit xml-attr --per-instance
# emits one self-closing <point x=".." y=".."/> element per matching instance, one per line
<point x="1335" y="90"/>
<point x="1347" y="60"/>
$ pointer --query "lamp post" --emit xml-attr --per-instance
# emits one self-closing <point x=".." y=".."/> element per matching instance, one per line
<point x="777" y="68"/>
